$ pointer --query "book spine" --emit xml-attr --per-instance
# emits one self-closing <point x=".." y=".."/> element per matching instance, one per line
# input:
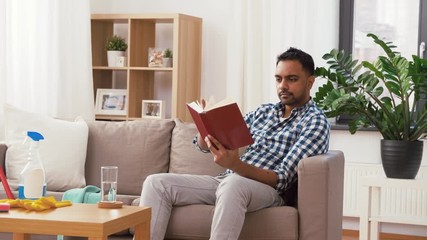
<point x="6" y="184"/>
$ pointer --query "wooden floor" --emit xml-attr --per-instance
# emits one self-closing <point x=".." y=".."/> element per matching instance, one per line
<point x="354" y="235"/>
<point x="350" y="238"/>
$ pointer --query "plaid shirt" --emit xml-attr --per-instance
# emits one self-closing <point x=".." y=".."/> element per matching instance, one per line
<point x="279" y="144"/>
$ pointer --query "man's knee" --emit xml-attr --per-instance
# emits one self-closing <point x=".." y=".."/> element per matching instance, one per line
<point x="155" y="181"/>
<point x="235" y="185"/>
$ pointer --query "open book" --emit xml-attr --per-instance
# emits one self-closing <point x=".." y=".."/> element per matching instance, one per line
<point x="223" y="121"/>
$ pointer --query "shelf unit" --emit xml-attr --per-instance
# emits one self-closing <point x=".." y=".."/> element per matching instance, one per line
<point x="141" y="80"/>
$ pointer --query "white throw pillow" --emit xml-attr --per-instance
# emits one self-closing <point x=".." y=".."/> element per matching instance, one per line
<point x="63" y="150"/>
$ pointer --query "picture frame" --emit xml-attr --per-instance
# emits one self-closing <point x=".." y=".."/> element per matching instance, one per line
<point x="154" y="109"/>
<point x="155" y="57"/>
<point x="111" y="102"/>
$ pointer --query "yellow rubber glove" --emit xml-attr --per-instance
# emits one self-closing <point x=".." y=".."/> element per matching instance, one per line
<point x="21" y="202"/>
<point x="36" y="205"/>
<point x="63" y="203"/>
<point x="40" y="204"/>
<point x="50" y="201"/>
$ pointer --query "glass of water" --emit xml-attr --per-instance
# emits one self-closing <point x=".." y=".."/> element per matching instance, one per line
<point x="109" y="183"/>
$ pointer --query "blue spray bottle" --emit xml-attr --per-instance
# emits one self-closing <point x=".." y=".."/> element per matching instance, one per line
<point x="32" y="183"/>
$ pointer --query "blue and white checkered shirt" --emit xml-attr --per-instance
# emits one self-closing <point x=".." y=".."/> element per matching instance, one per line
<point x="279" y="143"/>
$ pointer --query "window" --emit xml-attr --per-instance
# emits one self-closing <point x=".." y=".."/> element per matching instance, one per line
<point x="404" y="22"/>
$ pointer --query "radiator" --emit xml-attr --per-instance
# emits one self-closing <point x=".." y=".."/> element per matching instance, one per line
<point x="395" y="202"/>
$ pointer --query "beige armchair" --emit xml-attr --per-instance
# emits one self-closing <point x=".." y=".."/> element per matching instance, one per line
<point x="317" y="217"/>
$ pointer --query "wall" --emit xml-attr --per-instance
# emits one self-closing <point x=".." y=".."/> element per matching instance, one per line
<point x="362" y="147"/>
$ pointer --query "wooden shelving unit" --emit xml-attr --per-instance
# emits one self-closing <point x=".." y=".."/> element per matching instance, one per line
<point x="141" y="80"/>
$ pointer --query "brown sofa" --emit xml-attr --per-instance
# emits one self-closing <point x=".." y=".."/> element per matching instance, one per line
<point x="143" y="147"/>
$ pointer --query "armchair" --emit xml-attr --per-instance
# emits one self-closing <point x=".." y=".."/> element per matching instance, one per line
<point x="318" y="215"/>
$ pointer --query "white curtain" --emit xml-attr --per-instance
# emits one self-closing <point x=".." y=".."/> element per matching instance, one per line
<point x="45" y="58"/>
<point x="260" y="30"/>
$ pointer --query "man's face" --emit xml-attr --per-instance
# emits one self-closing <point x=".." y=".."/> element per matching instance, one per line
<point x="293" y="83"/>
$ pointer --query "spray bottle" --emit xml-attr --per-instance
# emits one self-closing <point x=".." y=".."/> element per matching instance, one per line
<point x="32" y="183"/>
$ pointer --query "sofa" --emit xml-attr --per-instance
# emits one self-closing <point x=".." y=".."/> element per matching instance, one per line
<point x="143" y="147"/>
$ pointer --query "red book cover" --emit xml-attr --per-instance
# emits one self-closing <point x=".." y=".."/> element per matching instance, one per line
<point x="224" y="122"/>
<point x="6" y="184"/>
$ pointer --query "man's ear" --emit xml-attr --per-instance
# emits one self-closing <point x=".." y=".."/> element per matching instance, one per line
<point x="310" y="81"/>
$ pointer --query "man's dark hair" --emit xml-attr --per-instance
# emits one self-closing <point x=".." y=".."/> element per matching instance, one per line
<point x="295" y="54"/>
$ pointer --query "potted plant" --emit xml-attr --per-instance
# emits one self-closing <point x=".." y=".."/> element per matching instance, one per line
<point x="396" y="107"/>
<point x="116" y="47"/>
<point x="167" y="58"/>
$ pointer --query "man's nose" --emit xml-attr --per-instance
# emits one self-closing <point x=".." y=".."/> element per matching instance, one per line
<point x="283" y="84"/>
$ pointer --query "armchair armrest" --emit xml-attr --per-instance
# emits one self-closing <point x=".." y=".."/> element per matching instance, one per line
<point x="320" y="196"/>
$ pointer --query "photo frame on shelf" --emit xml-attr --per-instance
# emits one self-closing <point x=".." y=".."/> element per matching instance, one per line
<point x="154" y="109"/>
<point x="155" y="57"/>
<point x="111" y="102"/>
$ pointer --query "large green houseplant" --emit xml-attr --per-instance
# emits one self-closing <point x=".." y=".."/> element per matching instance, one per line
<point x="396" y="107"/>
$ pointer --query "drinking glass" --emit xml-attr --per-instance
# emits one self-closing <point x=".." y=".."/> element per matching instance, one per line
<point x="109" y="183"/>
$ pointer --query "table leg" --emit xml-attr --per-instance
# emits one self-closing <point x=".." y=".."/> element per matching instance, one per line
<point x="375" y="233"/>
<point x="364" y="200"/>
<point x="375" y="212"/>
<point x="142" y="231"/>
<point x="21" y="236"/>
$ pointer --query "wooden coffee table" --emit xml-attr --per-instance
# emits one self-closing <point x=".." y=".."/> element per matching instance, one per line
<point x="83" y="220"/>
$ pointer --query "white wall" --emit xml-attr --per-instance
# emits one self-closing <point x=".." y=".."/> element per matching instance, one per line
<point x="363" y="147"/>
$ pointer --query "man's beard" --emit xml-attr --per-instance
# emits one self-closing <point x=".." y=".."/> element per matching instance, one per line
<point x="286" y="98"/>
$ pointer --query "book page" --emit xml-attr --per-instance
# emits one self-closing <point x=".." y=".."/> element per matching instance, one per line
<point x="221" y="103"/>
<point x="209" y="104"/>
<point x="196" y="106"/>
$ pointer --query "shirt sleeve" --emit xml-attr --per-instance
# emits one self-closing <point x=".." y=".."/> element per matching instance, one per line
<point x="313" y="140"/>
<point x="249" y="117"/>
<point x="196" y="145"/>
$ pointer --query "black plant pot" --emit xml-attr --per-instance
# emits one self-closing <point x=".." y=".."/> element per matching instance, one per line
<point x="401" y="159"/>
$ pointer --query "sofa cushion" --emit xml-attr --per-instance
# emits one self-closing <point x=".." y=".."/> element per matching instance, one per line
<point x="185" y="158"/>
<point x="139" y="148"/>
<point x="62" y="152"/>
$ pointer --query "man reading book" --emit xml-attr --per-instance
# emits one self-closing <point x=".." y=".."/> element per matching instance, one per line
<point x="283" y="133"/>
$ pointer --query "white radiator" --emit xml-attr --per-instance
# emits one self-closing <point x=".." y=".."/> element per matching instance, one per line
<point x="406" y="202"/>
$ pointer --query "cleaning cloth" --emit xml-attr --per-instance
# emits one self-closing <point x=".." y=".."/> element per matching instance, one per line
<point x="88" y="194"/>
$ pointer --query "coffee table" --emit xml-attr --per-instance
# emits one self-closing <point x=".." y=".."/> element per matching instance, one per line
<point x="83" y="220"/>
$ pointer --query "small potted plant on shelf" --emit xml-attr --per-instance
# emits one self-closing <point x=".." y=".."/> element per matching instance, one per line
<point x="167" y="58"/>
<point x="396" y="107"/>
<point x="116" y="47"/>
